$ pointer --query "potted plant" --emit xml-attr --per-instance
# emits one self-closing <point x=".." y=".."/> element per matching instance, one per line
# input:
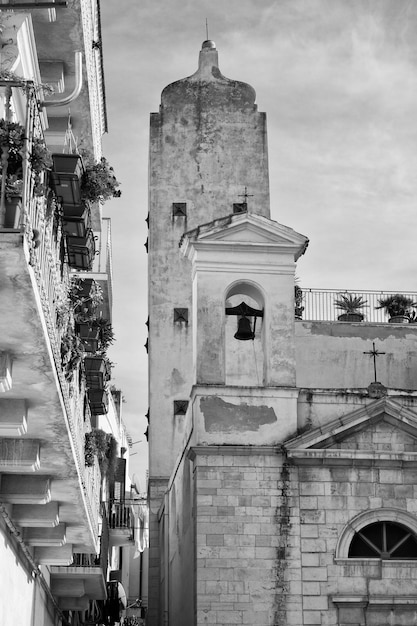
<point x="99" y="182"/>
<point x="351" y="305"/>
<point x="85" y="295"/>
<point x="12" y="143"/>
<point x="298" y="302"/>
<point x="97" y="371"/>
<point x="102" y="445"/>
<point x="398" y="307"/>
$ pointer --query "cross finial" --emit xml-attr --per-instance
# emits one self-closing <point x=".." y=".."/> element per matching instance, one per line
<point x="246" y="195"/>
<point x="374" y="353"/>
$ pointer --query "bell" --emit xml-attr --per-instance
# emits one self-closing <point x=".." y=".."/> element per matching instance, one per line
<point x="244" y="330"/>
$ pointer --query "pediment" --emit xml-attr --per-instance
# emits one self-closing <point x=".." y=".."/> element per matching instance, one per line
<point x="381" y="431"/>
<point x="246" y="229"/>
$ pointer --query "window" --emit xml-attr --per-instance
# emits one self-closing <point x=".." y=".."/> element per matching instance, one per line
<point x="384" y="540"/>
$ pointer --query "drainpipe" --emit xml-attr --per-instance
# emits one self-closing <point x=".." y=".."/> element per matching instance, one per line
<point x="78" y="84"/>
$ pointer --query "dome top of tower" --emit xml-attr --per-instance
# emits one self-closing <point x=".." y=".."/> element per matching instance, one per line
<point x="208" y="87"/>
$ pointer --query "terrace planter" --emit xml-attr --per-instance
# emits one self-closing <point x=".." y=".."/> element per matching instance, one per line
<point x="13" y="211"/>
<point x="74" y="211"/>
<point x="350" y="317"/>
<point x="88" y="335"/>
<point x="399" y="319"/>
<point x="81" y="251"/>
<point x="97" y="371"/>
<point x="99" y="401"/>
<point x="67" y="187"/>
<point x="77" y="226"/>
<point x="68" y="164"/>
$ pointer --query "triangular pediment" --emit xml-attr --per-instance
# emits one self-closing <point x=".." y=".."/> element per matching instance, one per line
<point x="381" y="431"/>
<point x="247" y="229"/>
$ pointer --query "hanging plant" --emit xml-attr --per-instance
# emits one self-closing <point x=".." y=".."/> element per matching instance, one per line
<point x="12" y="140"/>
<point x="99" y="182"/>
<point x="85" y="295"/>
<point x="72" y="353"/>
<point x="106" y="334"/>
<point x="104" y="446"/>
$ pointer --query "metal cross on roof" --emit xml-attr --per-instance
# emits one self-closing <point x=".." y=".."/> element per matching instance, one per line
<point x="246" y="195"/>
<point x="374" y="353"/>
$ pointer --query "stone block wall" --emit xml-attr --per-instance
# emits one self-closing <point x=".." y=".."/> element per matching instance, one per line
<point x="330" y="499"/>
<point x="268" y="538"/>
<point x="247" y="537"/>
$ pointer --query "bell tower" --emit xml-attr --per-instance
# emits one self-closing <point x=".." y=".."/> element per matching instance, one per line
<point x="212" y="249"/>
<point x="208" y="158"/>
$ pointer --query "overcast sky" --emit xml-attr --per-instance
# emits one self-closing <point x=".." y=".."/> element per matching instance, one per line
<point x="338" y="81"/>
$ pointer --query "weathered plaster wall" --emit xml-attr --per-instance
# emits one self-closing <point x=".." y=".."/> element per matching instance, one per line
<point x="181" y="542"/>
<point x="22" y="600"/>
<point x="243" y="415"/>
<point x="206" y="144"/>
<point x="331" y="355"/>
<point x="317" y="407"/>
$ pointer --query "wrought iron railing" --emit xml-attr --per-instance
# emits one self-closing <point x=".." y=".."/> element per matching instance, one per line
<point x="120" y="516"/>
<point x="43" y="244"/>
<point x="319" y="304"/>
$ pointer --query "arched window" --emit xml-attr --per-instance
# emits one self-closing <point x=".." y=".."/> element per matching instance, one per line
<point x="384" y="540"/>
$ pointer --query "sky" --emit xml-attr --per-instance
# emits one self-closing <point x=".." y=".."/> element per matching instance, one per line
<point x="338" y="81"/>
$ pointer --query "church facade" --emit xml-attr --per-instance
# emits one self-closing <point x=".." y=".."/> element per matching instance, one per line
<point x="282" y="473"/>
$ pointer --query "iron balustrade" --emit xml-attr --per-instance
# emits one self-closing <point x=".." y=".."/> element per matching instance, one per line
<point x="319" y="304"/>
<point x="43" y="242"/>
<point x="120" y="516"/>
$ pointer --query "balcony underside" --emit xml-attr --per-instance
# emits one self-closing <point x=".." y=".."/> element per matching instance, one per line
<point x="77" y="582"/>
<point x="33" y="411"/>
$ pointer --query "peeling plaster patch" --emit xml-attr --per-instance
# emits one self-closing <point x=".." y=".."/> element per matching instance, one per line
<point x="221" y="416"/>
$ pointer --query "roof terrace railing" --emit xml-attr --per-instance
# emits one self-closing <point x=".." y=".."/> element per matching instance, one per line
<point x="319" y="304"/>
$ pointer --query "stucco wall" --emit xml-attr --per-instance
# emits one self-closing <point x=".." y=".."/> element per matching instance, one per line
<point x="331" y="354"/>
<point x="206" y="144"/>
<point x="23" y="601"/>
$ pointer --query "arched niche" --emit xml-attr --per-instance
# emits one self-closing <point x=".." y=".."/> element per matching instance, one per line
<point x="244" y="360"/>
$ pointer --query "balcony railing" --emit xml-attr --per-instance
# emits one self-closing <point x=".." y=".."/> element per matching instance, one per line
<point x="120" y="516"/>
<point x="44" y="246"/>
<point x="319" y="304"/>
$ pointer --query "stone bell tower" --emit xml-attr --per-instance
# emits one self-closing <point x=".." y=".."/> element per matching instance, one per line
<point x="207" y="144"/>
<point x="209" y="191"/>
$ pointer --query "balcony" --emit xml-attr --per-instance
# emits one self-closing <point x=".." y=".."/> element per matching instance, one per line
<point x="42" y="411"/>
<point x="84" y="581"/>
<point x="319" y="304"/>
<point x="121" y="522"/>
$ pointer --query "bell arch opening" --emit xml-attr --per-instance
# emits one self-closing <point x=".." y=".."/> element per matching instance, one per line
<point x="244" y="335"/>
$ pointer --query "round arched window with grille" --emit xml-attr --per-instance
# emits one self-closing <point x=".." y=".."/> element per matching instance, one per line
<point x="384" y="540"/>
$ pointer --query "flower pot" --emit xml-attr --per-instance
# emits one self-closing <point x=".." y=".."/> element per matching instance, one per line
<point x="77" y="226"/>
<point x="99" y="401"/>
<point x="81" y="251"/>
<point x="67" y="187"/>
<point x="399" y="319"/>
<point x="350" y="317"/>
<point x="68" y="163"/>
<point x="74" y="211"/>
<point x="13" y="210"/>
<point x="97" y="371"/>
<point x="88" y="336"/>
